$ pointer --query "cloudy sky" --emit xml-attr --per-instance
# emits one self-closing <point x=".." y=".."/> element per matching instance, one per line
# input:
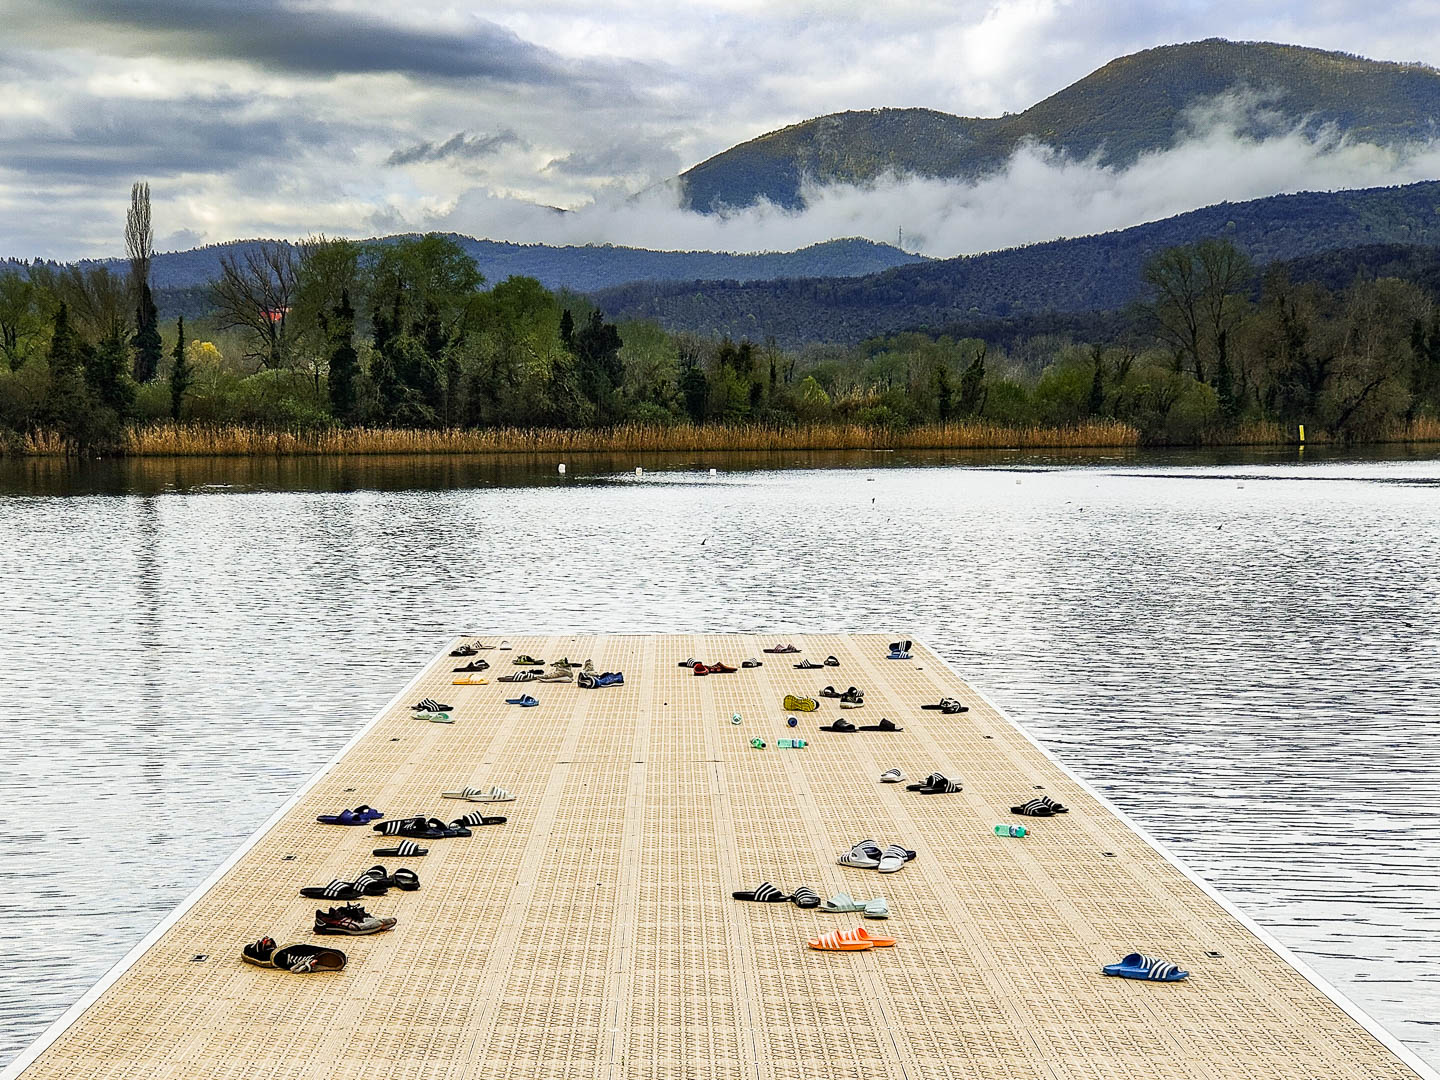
<point x="362" y="117"/>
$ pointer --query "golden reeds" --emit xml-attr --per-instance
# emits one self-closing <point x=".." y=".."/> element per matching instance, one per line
<point x="235" y="440"/>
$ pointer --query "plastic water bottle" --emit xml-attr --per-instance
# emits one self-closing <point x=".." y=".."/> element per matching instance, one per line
<point x="792" y="722"/>
<point x="1010" y="830"/>
<point x="791" y="744"/>
<point x="735" y="718"/>
<point x="758" y="743"/>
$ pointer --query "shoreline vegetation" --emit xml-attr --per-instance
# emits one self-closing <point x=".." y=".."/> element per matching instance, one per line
<point x="235" y="440"/>
<point x="329" y="347"/>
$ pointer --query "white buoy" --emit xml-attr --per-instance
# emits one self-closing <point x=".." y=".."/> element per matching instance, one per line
<point x="639" y="471"/>
<point x="562" y="468"/>
<point x="712" y="472"/>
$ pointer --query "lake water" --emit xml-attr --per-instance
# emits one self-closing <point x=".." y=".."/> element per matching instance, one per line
<point x="1244" y="654"/>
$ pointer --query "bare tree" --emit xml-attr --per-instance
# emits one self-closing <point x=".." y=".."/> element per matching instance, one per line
<point x="139" y="236"/>
<point x="254" y="294"/>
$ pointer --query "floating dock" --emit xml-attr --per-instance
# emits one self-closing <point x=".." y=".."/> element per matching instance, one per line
<point x="594" y="935"/>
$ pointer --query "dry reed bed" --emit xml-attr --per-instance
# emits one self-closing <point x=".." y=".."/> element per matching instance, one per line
<point x="235" y="440"/>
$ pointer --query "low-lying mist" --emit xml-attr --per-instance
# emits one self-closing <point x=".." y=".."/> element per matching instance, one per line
<point x="1233" y="149"/>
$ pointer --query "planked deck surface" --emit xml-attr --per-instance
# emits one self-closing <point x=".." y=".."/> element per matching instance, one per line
<point x="593" y="936"/>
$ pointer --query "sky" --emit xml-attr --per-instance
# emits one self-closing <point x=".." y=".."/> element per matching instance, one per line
<point x="283" y="118"/>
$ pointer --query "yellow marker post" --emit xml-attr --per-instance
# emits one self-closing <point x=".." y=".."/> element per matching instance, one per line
<point x="1302" y="433"/>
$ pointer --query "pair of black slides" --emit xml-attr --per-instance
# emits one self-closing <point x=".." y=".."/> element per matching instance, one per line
<point x="852" y="697"/>
<point x="841" y="724"/>
<point x="936" y="784"/>
<point x="810" y="665"/>
<point x="765" y="893"/>
<point x="373" y="882"/>
<point x="423" y="828"/>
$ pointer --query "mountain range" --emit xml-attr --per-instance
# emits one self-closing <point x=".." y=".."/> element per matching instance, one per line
<point x="1135" y="104"/>
<point x="1090" y="273"/>
<point x="579" y="268"/>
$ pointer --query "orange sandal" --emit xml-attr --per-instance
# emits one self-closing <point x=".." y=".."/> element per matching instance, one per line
<point x="840" y="941"/>
<point x="874" y="939"/>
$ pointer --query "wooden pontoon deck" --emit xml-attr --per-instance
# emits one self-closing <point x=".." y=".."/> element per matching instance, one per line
<point x="594" y="936"/>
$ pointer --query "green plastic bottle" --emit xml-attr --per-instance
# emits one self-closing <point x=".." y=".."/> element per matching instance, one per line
<point x="1011" y="830"/>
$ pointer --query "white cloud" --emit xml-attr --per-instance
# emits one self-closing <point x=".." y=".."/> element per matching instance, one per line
<point x="1039" y="195"/>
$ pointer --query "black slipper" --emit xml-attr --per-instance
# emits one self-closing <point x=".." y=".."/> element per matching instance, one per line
<point x="947" y="705"/>
<point x="764" y="893"/>
<point x="829" y="691"/>
<point x="1033" y="808"/>
<point x="809" y="665"/>
<point x="839" y="725"/>
<point x="830" y="661"/>
<point x="474" y="818"/>
<point x="929" y="781"/>
<point x="883" y="725"/>
<point x="806" y="897"/>
<point x="943" y="786"/>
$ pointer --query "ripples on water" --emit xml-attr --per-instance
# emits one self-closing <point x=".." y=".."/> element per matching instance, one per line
<point x="1245" y="657"/>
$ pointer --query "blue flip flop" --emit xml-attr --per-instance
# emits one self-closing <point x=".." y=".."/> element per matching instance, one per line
<point x="1150" y="968"/>
<point x="361" y="815"/>
<point x="524" y="700"/>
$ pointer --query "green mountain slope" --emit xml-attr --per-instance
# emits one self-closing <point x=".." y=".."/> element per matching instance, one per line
<point x="1131" y="105"/>
<point x="1091" y="273"/>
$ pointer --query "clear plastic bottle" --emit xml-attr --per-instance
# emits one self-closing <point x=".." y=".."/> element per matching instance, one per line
<point x="735" y="718"/>
<point x="1011" y="830"/>
<point x="791" y="744"/>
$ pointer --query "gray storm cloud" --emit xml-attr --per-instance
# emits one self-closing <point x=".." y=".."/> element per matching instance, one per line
<point x="459" y="147"/>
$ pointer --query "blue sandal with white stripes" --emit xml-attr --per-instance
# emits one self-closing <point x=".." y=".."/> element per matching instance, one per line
<point x="1149" y="968"/>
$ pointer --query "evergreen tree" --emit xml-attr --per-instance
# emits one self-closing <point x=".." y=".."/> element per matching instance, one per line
<point x="694" y="388"/>
<point x="181" y="375"/>
<point x="972" y="385"/>
<point x="344" y="362"/>
<point x="105" y="369"/>
<point x="1230" y="402"/>
<point x="597" y="350"/>
<point x="146" y="341"/>
<point x="944" y="390"/>
<point x="567" y="330"/>
<point x="1096" y="405"/>
<point x="69" y="404"/>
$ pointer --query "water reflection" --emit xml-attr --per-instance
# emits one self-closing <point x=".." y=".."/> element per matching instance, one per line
<point x="1242" y="652"/>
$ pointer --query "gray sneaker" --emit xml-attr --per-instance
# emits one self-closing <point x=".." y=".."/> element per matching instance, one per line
<point x="350" y="920"/>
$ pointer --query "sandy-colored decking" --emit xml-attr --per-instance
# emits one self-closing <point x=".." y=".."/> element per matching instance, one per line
<point x="594" y="935"/>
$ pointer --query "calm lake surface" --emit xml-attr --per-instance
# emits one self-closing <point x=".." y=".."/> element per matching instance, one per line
<point x="1243" y="653"/>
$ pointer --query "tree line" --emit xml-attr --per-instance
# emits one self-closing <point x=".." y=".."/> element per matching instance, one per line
<point x="408" y="334"/>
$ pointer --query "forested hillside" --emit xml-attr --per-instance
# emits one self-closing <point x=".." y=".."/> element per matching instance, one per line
<point x="1091" y="273"/>
<point x="1131" y="105"/>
